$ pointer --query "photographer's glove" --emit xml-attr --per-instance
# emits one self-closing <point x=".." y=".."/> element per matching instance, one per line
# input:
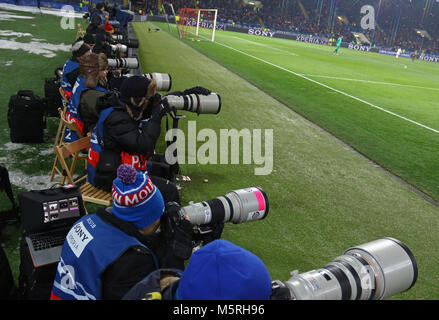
<point x="216" y="229"/>
<point x="178" y="232"/>
<point x="160" y="110"/>
<point x="197" y="90"/>
<point x="181" y="242"/>
<point x="279" y="291"/>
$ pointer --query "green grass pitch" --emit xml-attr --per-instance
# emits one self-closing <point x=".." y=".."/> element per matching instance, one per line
<point x="323" y="197"/>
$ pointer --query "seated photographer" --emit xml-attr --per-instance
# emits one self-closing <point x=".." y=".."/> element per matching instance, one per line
<point x="90" y="84"/>
<point x="102" y="42"/>
<point x="120" y="245"/>
<point x="96" y="18"/>
<point x="219" y="270"/>
<point x="126" y="133"/>
<point x="70" y="72"/>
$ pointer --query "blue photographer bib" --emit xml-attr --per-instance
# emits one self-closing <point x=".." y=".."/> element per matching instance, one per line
<point x="100" y="16"/>
<point x="90" y="246"/>
<point x="137" y="161"/>
<point x="69" y="66"/>
<point x="72" y="113"/>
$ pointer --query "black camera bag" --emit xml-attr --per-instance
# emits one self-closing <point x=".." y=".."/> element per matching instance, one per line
<point x="53" y="97"/>
<point x="106" y="169"/>
<point x="26" y="117"/>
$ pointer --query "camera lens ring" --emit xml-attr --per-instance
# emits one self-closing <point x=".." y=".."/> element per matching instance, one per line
<point x="238" y="201"/>
<point x="198" y="105"/>
<point x="215" y="205"/>
<point x="267" y="206"/>
<point x="355" y="275"/>
<point x="411" y="256"/>
<point x="342" y="279"/>
<point x="230" y="206"/>
<point x="219" y="101"/>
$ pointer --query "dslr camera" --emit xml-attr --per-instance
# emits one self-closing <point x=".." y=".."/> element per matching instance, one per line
<point x="198" y="100"/>
<point x="208" y="217"/>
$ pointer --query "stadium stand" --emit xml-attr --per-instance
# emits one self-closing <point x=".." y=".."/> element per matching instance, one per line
<point x="329" y="18"/>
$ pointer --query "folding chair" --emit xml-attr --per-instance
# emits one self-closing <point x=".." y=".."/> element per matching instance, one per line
<point x="59" y="141"/>
<point x="70" y="151"/>
<point x="89" y="192"/>
<point x="61" y="127"/>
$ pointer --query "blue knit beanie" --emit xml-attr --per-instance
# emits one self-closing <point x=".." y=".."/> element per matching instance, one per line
<point x="223" y="271"/>
<point x="135" y="198"/>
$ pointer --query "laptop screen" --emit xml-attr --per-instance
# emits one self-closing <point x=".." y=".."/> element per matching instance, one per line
<point x="43" y="210"/>
<point x="61" y="209"/>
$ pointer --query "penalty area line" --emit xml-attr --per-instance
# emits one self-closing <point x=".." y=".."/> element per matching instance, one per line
<point x="328" y="87"/>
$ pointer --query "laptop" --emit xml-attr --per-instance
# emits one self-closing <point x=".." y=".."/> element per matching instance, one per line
<point x="47" y="216"/>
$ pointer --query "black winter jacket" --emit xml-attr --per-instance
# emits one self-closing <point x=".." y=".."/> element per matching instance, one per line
<point x="123" y="134"/>
<point x="135" y="263"/>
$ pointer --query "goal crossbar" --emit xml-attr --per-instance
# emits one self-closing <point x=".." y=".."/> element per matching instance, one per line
<point x="185" y="15"/>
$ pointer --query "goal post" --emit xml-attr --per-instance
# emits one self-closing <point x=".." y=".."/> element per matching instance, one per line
<point x="198" y="23"/>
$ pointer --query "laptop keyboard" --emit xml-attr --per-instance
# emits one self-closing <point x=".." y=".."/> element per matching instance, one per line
<point x="48" y="240"/>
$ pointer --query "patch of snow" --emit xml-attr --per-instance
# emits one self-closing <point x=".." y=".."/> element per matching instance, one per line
<point x="10" y="33"/>
<point x="56" y="12"/>
<point x="34" y="182"/>
<point x="8" y="16"/>
<point x="36" y="47"/>
<point x="12" y="146"/>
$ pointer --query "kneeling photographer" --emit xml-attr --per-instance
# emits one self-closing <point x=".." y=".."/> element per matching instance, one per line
<point x="107" y="253"/>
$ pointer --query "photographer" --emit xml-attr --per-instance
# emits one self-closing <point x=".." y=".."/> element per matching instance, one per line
<point x="102" y="41"/>
<point x="220" y="270"/>
<point x="90" y="84"/>
<point x="126" y="133"/>
<point x="71" y="68"/>
<point x="96" y="18"/>
<point x="122" y="244"/>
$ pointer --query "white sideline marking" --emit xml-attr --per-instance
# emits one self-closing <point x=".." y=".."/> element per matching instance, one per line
<point x="272" y="48"/>
<point x="330" y="88"/>
<point x="372" y="82"/>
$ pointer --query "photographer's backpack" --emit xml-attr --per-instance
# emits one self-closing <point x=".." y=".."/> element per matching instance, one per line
<point x="26" y="117"/>
<point x="7" y="216"/>
<point x="53" y="97"/>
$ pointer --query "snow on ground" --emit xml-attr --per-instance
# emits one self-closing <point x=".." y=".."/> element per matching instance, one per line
<point x="56" y="12"/>
<point x="36" y="47"/>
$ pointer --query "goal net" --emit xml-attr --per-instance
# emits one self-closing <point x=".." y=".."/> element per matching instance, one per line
<point x="197" y="24"/>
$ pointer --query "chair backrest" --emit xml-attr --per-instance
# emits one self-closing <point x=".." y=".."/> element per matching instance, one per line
<point x="63" y="95"/>
<point x="72" y="150"/>
<point x="69" y="124"/>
